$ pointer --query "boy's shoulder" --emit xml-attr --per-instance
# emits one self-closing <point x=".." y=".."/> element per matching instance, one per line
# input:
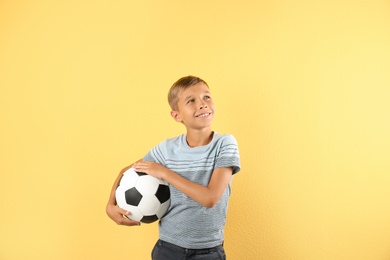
<point x="171" y="143"/>
<point x="225" y="138"/>
<point x="178" y="144"/>
<point x="174" y="140"/>
<point x="180" y="139"/>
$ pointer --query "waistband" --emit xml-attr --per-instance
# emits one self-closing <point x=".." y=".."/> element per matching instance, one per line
<point x="189" y="250"/>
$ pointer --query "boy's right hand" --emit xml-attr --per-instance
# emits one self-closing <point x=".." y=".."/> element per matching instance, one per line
<point x="118" y="216"/>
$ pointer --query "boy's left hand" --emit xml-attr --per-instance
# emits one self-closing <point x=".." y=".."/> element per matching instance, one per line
<point x="151" y="168"/>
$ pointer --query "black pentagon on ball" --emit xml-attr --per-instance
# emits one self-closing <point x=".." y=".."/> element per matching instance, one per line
<point x="163" y="193"/>
<point x="141" y="173"/>
<point x="149" y="219"/>
<point x="133" y="197"/>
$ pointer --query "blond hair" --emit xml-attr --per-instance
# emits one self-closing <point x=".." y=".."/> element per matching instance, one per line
<point x="182" y="84"/>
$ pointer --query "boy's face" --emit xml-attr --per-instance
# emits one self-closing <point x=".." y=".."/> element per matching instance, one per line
<point x="195" y="107"/>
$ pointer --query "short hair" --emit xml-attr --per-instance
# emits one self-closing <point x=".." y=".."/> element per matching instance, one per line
<point x="182" y="84"/>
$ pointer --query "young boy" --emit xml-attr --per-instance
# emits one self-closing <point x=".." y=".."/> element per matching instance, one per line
<point x="199" y="166"/>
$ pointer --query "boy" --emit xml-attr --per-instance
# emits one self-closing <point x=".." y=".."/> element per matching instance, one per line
<point x="198" y="166"/>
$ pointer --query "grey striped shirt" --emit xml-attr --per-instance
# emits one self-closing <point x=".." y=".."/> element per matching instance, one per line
<point x="187" y="223"/>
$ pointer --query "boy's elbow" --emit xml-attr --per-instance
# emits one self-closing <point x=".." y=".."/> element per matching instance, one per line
<point x="210" y="203"/>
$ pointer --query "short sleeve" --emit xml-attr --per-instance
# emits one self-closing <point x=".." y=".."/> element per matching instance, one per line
<point x="155" y="154"/>
<point x="228" y="155"/>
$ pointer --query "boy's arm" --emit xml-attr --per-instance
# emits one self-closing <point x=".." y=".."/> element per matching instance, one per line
<point x="207" y="196"/>
<point x="113" y="211"/>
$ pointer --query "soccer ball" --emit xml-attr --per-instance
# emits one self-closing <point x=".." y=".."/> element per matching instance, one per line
<point x="146" y="198"/>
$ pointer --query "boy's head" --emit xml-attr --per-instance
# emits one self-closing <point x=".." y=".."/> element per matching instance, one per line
<point x="181" y="85"/>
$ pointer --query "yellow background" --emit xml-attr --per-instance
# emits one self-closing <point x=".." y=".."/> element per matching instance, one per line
<point x="304" y="86"/>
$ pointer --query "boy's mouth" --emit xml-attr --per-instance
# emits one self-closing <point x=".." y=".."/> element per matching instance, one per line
<point x="203" y="115"/>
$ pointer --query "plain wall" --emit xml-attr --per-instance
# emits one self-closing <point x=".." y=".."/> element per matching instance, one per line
<point x="304" y="86"/>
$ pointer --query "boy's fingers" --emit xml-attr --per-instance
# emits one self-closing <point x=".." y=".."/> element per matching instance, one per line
<point x="123" y="211"/>
<point x="125" y="220"/>
<point x="128" y="222"/>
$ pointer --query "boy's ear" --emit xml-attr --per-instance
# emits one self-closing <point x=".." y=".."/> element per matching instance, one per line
<point x="175" y="115"/>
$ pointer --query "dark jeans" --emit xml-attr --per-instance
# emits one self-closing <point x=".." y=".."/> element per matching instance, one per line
<point x="167" y="251"/>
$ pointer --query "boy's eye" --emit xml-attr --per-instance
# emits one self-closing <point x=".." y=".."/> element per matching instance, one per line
<point x="190" y="101"/>
<point x="207" y="97"/>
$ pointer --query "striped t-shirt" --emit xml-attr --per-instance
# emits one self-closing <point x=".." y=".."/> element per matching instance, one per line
<point x="187" y="223"/>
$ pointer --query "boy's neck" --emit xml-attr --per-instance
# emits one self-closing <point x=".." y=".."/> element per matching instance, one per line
<point x="199" y="138"/>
